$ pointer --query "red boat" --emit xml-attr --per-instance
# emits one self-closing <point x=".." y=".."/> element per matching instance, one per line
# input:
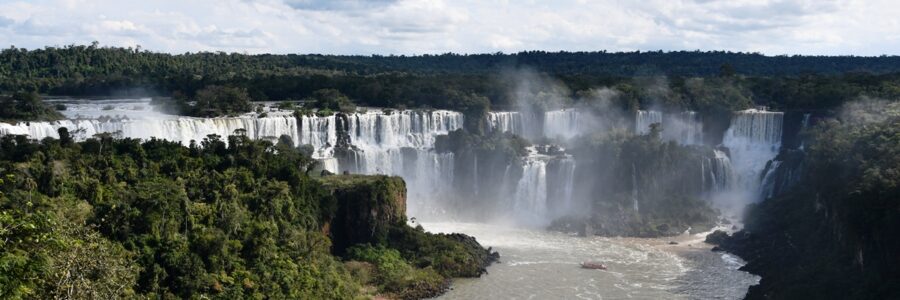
<point x="593" y="265"/>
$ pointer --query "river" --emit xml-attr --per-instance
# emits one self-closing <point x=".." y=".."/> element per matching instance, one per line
<point x="537" y="264"/>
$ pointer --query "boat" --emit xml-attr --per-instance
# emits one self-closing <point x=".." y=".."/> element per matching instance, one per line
<point x="593" y="265"/>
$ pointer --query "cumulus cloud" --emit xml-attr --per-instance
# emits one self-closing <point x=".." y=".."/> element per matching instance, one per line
<point x="466" y="26"/>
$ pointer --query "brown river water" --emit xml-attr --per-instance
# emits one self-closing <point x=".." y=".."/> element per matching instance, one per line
<point x="537" y="264"/>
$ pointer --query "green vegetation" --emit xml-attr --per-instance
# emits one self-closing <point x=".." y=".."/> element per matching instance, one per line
<point x="211" y="101"/>
<point x="25" y="106"/>
<point x="108" y="218"/>
<point x="396" y="276"/>
<point x="834" y="234"/>
<point x="407" y="262"/>
<point x="700" y="81"/>
<point x="459" y="141"/>
<point x="216" y="100"/>
<point x="333" y="100"/>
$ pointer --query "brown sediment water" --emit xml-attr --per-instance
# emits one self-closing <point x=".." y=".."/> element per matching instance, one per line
<point x="537" y="264"/>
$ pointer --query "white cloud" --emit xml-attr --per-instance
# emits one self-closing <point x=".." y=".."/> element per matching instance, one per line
<point x="467" y="26"/>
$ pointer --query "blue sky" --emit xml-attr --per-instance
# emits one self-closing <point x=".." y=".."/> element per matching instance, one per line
<point x="838" y="27"/>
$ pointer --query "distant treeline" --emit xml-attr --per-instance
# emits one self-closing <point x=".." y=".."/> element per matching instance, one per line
<point x="639" y="79"/>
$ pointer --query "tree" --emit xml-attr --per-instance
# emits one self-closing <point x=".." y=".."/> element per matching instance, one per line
<point x="27" y="106"/>
<point x="215" y="100"/>
<point x="332" y="99"/>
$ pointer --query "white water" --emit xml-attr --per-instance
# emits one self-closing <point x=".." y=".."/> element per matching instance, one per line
<point x="563" y="176"/>
<point x="530" y="199"/>
<point x="685" y="128"/>
<point x="557" y="124"/>
<point x="537" y="264"/>
<point x="504" y="121"/>
<point x="717" y="173"/>
<point x="644" y="118"/>
<point x="753" y="139"/>
<point x="563" y="123"/>
<point x="180" y="129"/>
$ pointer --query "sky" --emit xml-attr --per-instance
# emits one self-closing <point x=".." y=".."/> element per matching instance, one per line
<point x="816" y="27"/>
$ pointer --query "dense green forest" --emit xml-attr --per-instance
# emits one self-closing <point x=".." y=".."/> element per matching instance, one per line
<point x="27" y="106"/>
<point x="833" y="235"/>
<point x="120" y="218"/>
<point x="699" y="81"/>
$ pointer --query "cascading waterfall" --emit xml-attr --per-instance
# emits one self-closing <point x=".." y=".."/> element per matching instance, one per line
<point x="321" y="133"/>
<point x="634" y="189"/>
<point x="408" y="128"/>
<point x="721" y="173"/>
<point x="180" y="129"/>
<point x="803" y="125"/>
<point x="560" y="185"/>
<point x="563" y="123"/>
<point x="768" y="186"/>
<point x="401" y="142"/>
<point x="530" y="200"/>
<point x="504" y="121"/>
<point x="567" y="177"/>
<point x="685" y="128"/>
<point x="753" y="139"/>
<point x="644" y="118"/>
<point x="395" y="143"/>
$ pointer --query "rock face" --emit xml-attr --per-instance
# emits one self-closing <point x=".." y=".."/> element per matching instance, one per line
<point x="370" y="213"/>
<point x="830" y="231"/>
<point x="367" y="208"/>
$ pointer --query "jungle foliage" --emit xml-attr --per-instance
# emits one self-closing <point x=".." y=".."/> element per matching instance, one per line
<point x="226" y="218"/>
<point x="700" y="81"/>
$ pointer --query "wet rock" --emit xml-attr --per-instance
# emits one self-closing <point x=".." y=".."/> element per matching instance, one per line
<point x="717" y="238"/>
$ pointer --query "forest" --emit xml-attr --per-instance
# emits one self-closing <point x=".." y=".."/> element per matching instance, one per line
<point x="226" y="218"/>
<point x="700" y="81"/>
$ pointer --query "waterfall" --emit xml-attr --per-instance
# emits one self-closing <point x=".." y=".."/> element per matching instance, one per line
<point x="560" y="185"/>
<point x="320" y="132"/>
<point x="330" y="165"/>
<point x="563" y="123"/>
<point x="401" y="142"/>
<point x="803" y="125"/>
<point x="685" y="128"/>
<point x="504" y="121"/>
<point x="721" y="172"/>
<point x="645" y="118"/>
<point x="567" y="178"/>
<point x="634" y="189"/>
<point x="397" y="143"/>
<point x="407" y="128"/>
<point x="768" y="186"/>
<point x="753" y="139"/>
<point x="179" y="129"/>
<point x="530" y="200"/>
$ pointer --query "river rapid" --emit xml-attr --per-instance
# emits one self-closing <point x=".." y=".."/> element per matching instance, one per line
<point x="538" y="264"/>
